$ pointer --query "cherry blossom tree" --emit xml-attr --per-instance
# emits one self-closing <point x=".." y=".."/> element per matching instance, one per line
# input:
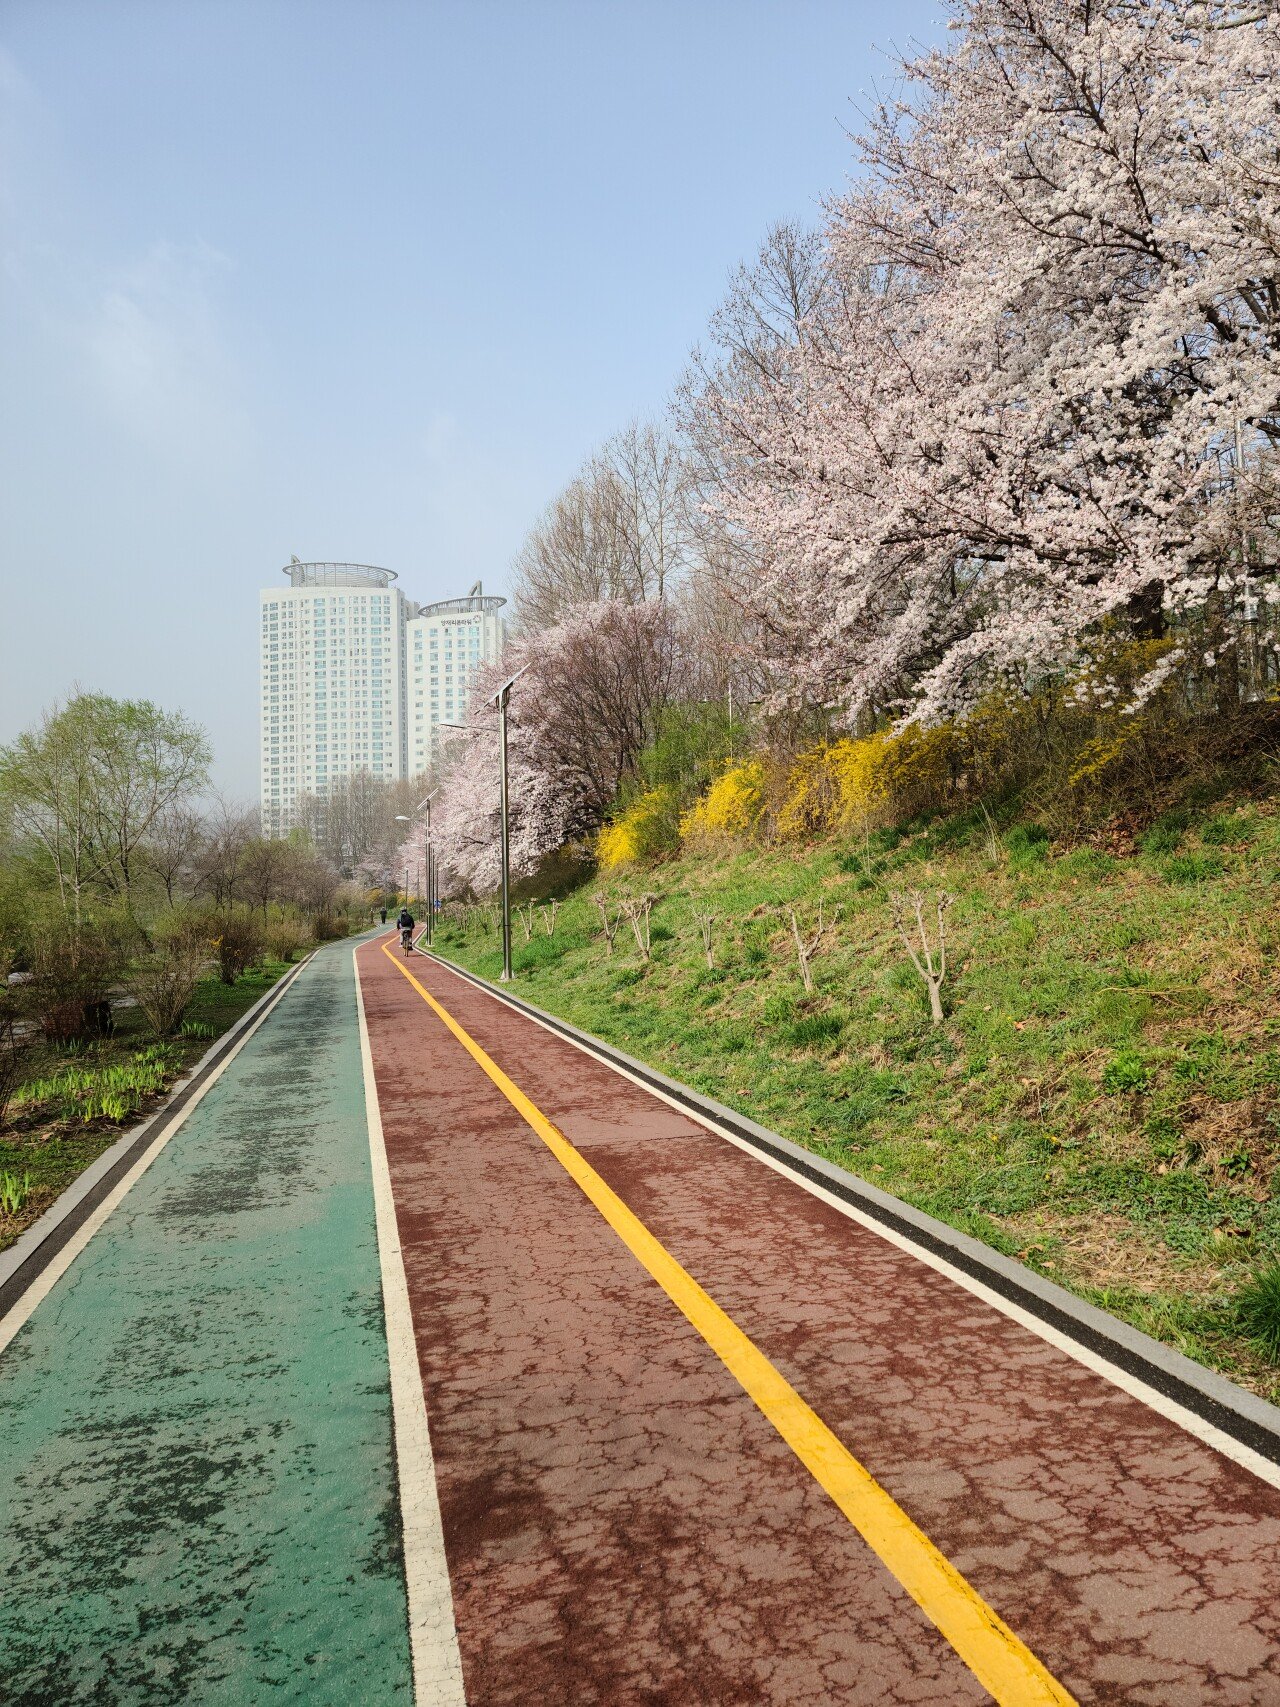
<point x="1006" y="410"/>
<point x="592" y="689"/>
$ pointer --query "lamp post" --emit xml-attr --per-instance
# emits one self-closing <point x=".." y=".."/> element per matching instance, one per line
<point x="500" y="698"/>
<point x="432" y="870"/>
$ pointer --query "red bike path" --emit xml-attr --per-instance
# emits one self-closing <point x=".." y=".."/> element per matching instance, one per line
<point x="624" y="1522"/>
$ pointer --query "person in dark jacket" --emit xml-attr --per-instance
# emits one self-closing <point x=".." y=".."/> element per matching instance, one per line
<point x="405" y="924"/>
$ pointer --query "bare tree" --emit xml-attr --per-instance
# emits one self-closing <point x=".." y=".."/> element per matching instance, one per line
<point x="811" y="942"/>
<point x="706" y="924"/>
<point x="264" y="871"/>
<point x="932" y="971"/>
<point x="171" y="847"/>
<point x="638" y="910"/>
<point x="610" y="925"/>
<point x="622" y="529"/>
<point x="230" y="829"/>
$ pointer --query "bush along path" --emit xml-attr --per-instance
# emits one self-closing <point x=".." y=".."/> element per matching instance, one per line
<point x="72" y="1103"/>
<point x="199" y="1493"/>
<point x="1102" y="1099"/>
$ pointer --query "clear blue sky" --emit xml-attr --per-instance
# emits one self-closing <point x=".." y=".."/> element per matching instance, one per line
<point x="356" y="281"/>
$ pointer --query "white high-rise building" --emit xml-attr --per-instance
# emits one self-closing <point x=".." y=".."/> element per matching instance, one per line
<point x="333" y="683"/>
<point x="445" y="644"/>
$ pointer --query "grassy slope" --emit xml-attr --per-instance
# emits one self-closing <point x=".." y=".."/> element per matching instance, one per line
<point x="1103" y="1099"/>
<point x="52" y="1153"/>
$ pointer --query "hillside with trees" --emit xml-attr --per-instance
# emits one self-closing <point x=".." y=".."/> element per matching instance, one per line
<point x="946" y="600"/>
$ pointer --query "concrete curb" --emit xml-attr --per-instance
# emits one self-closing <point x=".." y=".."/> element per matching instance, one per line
<point x="30" y="1254"/>
<point x="1236" y="1412"/>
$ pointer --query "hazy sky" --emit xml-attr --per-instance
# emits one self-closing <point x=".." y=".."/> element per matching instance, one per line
<point x="356" y="281"/>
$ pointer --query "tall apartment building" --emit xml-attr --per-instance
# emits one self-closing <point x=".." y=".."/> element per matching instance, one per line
<point x="445" y="644"/>
<point x="336" y="697"/>
<point x="333" y="683"/>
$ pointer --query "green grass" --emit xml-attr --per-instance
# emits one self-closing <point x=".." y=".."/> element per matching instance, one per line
<point x="72" y="1104"/>
<point x="1104" y="1097"/>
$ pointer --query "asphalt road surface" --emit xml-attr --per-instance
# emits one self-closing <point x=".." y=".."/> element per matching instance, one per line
<point x="434" y="1357"/>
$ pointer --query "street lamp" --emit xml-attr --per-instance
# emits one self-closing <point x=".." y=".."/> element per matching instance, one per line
<point x="500" y="697"/>
<point x="433" y="870"/>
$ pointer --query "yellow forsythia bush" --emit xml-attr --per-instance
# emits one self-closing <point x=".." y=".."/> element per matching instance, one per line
<point x="646" y="830"/>
<point x="880" y="777"/>
<point x="730" y="806"/>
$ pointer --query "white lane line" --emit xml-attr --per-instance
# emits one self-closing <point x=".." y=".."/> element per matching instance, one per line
<point x="1226" y="1444"/>
<point x="49" y="1277"/>
<point x="433" y="1635"/>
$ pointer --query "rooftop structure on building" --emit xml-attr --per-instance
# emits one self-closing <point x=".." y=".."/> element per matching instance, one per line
<point x="446" y="644"/>
<point x="337" y="574"/>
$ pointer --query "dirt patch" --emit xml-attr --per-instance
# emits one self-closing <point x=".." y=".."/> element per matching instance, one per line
<point x="1235" y="1143"/>
<point x="1106" y="1250"/>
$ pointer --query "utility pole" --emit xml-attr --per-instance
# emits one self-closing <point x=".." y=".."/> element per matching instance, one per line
<point x="501" y="699"/>
<point x="406" y="818"/>
<point x="502" y="696"/>
<point x="431" y="870"/>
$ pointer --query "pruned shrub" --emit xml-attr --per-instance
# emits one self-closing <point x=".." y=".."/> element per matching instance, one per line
<point x="286" y="939"/>
<point x="237" y="942"/>
<point x="72" y="972"/>
<point x="164" y="983"/>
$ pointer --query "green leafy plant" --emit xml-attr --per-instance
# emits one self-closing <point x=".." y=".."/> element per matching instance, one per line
<point x="1193" y="868"/>
<point x="1125" y="1072"/>
<point x="1258" y="1310"/>
<point x="812" y="1030"/>
<point x="86" y="1094"/>
<point x="14" y="1192"/>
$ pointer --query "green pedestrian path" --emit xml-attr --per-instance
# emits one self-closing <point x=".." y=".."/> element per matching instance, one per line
<point x="197" y="1481"/>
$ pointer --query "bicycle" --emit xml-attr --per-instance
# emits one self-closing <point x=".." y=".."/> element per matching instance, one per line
<point x="406" y="939"/>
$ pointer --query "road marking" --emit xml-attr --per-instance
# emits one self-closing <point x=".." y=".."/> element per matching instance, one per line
<point x="1004" y="1666"/>
<point x="1266" y="1469"/>
<point x="49" y="1276"/>
<point x="433" y="1635"/>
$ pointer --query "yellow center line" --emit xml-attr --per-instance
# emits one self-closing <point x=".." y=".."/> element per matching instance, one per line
<point x="1004" y="1666"/>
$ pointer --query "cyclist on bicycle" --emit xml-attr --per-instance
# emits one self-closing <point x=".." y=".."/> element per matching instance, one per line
<point x="405" y="924"/>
